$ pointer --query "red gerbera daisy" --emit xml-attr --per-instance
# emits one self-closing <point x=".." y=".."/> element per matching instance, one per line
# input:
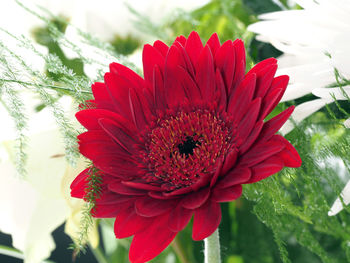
<point x="181" y="140"/>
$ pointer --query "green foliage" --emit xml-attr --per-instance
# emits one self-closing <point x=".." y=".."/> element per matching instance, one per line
<point x="125" y="45"/>
<point x="227" y="18"/>
<point x="42" y="36"/>
<point x="9" y="98"/>
<point x="92" y="192"/>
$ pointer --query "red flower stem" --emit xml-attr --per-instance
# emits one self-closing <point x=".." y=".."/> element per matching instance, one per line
<point x="212" y="248"/>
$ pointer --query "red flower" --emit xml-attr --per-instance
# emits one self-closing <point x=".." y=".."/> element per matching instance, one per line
<point x="182" y="140"/>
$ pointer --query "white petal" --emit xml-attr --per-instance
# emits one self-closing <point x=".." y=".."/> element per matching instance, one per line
<point x="49" y="213"/>
<point x="347" y="123"/>
<point x="302" y="111"/>
<point x="34" y="206"/>
<point x="337" y="205"/>
<point x="305" y="36"/>
<point x="330" y="93"/>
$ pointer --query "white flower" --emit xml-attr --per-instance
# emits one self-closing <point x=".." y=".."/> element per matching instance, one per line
<point x="103" y="18"/>
<point x="107" y="18"/>
<point x="306" y="37"/>
<point x="34" y="206"/>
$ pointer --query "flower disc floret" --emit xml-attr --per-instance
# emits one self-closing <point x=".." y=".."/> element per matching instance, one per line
<point x="184" y="147"/>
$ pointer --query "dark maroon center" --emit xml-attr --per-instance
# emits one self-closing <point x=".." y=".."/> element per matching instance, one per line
<point x="187" y="146"/>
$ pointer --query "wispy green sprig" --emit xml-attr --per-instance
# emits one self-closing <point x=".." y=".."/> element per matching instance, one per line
<point x="92" y="193"/>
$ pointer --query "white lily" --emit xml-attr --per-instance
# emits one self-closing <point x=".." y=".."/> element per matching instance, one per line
<point x="306" y="36"/>
<point x="107" y="18"/>
<point x="34" y="206"/>
<point x="104" y="18"/>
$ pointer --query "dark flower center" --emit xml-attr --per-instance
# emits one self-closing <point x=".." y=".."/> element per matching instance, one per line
<point x="187" y="146"/>
<point x="183" y="147"/>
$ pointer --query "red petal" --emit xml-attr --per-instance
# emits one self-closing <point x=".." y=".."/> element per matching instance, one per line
<point x="241" y="98"/>
<point x="227" y="194"/>
<point x="205" y="74"/>
<point x="265" y="169"/>
<point x="152" y="241"/>
<point x="220" y="86"/>
<point x="79" y="184"/>
<point x="109" y="210"/>
<point x="272" y="126"/>
<point x="139" y="109"/>
<point x="181" y="39"/>
<point x="278" y="83"/>
<point x="214" y="43"/>
<point x="251" y="138"/>
<point x="179" y="218"/>
<point x="120" y="188"/>
<point x="161" y="47"/>
<point x="150" y="207"/>
<point x="160" y="195"/>
<point x="116" y="168"/>
<point x="99" y="136"/>
<point x="264" y="80"/>
<point x="268" y="102"/>
<point x="240" y="64"/>
<point x="119" y="134"/>
<point x="151" y="57"/>
<point x="230" y="161"/>
<point x="92" y="148"/>
<point x="179" y="191"/>
<point x="184" y="59"/>
<point x="263" y="64"/>
<point x="218" y="172"/>
<point x="206" y="220"/>
<point x="158" y="89"/>
<point x="174" y="90"/>
<point x="98" y="150"/>
<point x="248" y="122"/>
<point x="194" y="47"/>
<point x="118" y="90"/>
<point x="261" y="151"/>
<point x="126" y="73"/>
<point x="234" y="177"/>
<point x="128" y="223"/>
<point x="89" y="118"/>
<point x="101" y="95"/>
<point x="142" y="186"/>
<point x="110" y="198"/>
<point x="289" y="155"/>
<point x="189" y="85"/>
<point x="225" y="62"/>
<point x="196" y="199"/>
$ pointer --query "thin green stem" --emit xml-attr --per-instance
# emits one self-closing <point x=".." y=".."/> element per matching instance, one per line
<point x="212" y="248"/>
<point x="42" y="86"/>
<point x="99" y="255"/>
<point x="179" y="250"/>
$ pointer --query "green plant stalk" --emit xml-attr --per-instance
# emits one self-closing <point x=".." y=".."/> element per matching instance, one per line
<point x="42" y="86"/>
<point x="212" y="248"/>
<point x="179" y="250"/>
<point x="99" y="255"/>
